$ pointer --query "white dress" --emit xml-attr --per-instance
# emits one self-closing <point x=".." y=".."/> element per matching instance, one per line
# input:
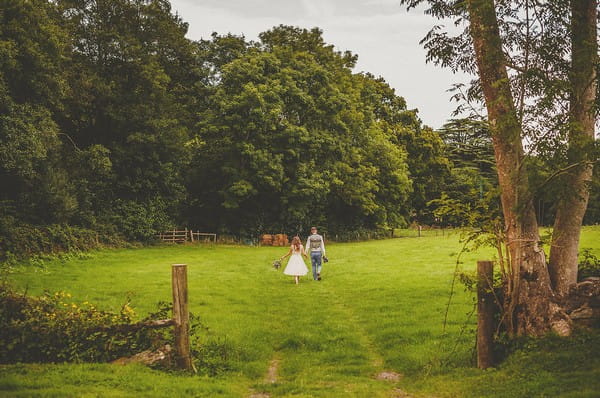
<point x="296" y="266"/>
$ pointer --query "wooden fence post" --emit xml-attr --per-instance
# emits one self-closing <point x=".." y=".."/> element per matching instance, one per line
<point x="181" y="316"/>
<point x="485" y="314"/>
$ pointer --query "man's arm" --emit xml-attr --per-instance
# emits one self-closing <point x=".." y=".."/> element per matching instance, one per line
<point x="307" y="245"/>
<point x="323" y="245"/>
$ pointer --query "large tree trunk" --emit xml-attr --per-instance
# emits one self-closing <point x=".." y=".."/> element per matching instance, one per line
<point x="573" y="203"/>
<point x="529" y="308"/>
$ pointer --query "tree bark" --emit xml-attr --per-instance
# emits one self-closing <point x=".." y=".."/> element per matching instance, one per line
<point x="573" y="203"/>
<point x="529" y="308"/>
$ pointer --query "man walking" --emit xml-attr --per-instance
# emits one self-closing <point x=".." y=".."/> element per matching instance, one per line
<point x="315" y="247"/>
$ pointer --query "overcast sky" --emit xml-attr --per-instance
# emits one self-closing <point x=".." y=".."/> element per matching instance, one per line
<point x="381" y="32"/>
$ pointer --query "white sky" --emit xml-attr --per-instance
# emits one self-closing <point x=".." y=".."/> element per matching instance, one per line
<point x="381" y="32"/>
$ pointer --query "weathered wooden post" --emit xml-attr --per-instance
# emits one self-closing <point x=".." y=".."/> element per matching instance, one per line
<point x="181" y="316"/>
<point x="485" y="314"/>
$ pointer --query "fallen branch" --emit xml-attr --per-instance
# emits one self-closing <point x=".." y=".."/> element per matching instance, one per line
<point x="162" y="355"/>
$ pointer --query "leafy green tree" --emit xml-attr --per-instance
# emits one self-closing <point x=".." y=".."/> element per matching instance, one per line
<point x="136" y="80"/>
<point x="289" y="140"/>
<point x="111" y="119"/>
<point x="429" y="168"/>
<point x="32" y="86"/>
<point x="427" y="162"/>
<point x="533" y="60"/>
<point x="472" y="184"/>
<point x="97" y="102"/>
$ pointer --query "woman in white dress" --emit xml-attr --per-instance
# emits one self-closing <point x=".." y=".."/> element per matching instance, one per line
<point x="295" y="266"/>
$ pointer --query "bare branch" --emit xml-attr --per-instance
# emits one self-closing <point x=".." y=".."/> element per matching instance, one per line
<point x="567" y="169"/>
<point x="72" y="142"/>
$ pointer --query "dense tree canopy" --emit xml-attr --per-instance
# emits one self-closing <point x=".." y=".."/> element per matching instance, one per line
<point x="470" y="196"/>
<point x="111" y="119"/>
<point x="291" y="137"/>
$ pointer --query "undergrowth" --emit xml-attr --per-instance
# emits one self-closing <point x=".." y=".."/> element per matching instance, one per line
<point x="53" y="328"/>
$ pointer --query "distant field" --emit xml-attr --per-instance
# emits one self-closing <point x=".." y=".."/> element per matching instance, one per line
<point x="380" y="307"/>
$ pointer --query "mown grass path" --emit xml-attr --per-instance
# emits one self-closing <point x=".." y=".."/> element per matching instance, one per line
<point x="379" y="308"/>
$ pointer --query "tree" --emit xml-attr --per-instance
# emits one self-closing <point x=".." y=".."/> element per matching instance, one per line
<point x="32" y="85"/>
<point x="470" y="193"/>
<point x="97" y="101"/>
<point x="573" y="201"/>
<point x="135" y="81"/>
<point x="515" y="41"/>
<point x="531" y="292"/>
<point x="429" y="167"/>
<point x="291" y="137"/>
<point x="427" y="161"/>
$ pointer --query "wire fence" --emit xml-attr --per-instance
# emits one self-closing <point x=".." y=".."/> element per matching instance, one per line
<point x="422" y="232"/>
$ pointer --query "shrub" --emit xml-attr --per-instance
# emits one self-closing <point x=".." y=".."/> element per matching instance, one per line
<point x="18" y="241"/>
<point x="589" y="265"/>
<point x="359" y="234"/>
<point x="53" y="328"/>
<point x="139" y="221"/>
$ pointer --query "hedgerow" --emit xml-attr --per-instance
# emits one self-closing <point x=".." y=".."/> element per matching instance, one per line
<point x="54" y="328"/>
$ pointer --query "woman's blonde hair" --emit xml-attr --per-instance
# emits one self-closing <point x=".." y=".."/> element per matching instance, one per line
<point x="296" y="242"/>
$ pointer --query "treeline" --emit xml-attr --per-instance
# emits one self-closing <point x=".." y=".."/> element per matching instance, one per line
<point x="112" y="121"/>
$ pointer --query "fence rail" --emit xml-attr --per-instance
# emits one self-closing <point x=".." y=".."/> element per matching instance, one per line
<point x="174" y="236"/>
<point x="183" y="235"/>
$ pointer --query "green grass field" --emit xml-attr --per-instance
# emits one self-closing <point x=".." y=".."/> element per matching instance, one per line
<point x="380" y="307"/>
